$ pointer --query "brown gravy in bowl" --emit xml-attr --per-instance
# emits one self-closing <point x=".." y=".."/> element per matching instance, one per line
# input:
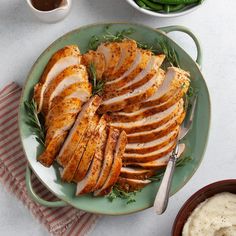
<point x="46" y="5"/>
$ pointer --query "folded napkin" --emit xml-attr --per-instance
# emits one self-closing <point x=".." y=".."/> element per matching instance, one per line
<point x="66" y="221"/>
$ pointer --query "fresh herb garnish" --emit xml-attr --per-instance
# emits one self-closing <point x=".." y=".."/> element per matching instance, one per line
<point x="116" y="192"/>
<point x="97" y="85"/>
<point x="96" y="40"/>
<point x="171" y="55"/>
<point x="188" y="97"/>
<point x="34" y="121"/>
<point x="130" y="196"/>
<point x="180" y="162"/>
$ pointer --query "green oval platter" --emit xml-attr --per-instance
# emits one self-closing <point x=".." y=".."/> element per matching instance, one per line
<point x="195" y="141"/>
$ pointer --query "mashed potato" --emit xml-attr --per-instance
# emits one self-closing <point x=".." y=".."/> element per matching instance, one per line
<point x="216" y="216"/>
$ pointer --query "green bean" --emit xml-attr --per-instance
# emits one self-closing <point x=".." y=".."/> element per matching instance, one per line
<point x="142" y="5"/>
<point x="176" y="2"/>
<point x="152" y="5"/>
<point x="167" y="8"/>
<point x="174" y="8"/>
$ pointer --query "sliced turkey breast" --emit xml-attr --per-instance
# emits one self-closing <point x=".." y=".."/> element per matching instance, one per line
<point x="147" y="136"/>
<point x="144" y="148"/>
<point x="127" y="61"/>
<point x="62" y="124"/>
<point x="136" y="173"/>
<point x="148" y="121"/>
<point x="70" y="168"/>
<point x="112" y="53"/>
<point x="52" y="149"/>
<point x="157" y="164"/>
<point x="175" y="80"/>
<point x="71" y="75"/>
<point x="116" y="166"/>
<point x="137" y="95"/>
<point x="140" y="112"/>
<point x="113" y="135"/>
<point x="97" y="59"/>
<point x="78" y="130"/>
<point x="142" y="78"/>
<point x="90" y="150"/>
<point x="65" y="57"/>
<point x="89" y="182"/>
<point x="135" y="157"/>
<point x="131" y="185"/>
<point x="145" y="64"/>
<point x="65" y="107"/>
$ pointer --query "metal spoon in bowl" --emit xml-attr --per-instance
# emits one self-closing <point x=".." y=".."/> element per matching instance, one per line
<point x="162" y="197"/>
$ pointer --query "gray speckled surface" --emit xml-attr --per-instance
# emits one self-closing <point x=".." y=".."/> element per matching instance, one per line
<point x="22" y="39"/>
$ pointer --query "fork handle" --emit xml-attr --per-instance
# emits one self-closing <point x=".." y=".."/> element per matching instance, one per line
<point x="162" y="197"/>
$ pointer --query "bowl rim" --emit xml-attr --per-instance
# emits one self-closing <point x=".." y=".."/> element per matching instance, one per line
<point x="163" y="15"/>
<point x="202" y="190"/>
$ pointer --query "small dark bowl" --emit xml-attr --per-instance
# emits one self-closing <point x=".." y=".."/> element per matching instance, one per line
<point x="198" y="197"/>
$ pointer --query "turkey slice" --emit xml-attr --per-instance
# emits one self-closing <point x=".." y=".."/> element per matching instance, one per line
<point x="144" y="148"/>
<point x="157" y="164"/>
<point x="52" y="149"/>
<point x="145" y="64"/>
<point x="150" y="135"/>
<point x="136" y="173"/>
<point x="129" y="116"/>
<point x="70" y="168"/>
<point x="65" y="57"/>
<point x="113" y="135"/>
<point x="148" y="121"/>
<point x="112" y="53"/>
<point x="131" y="185"/>
<point x="127" y="61"/>
<point x="95" y="58"/>
<point x="89" y="182"/>
<point x="90" y="150"/>
<point x="116" y="166"/>
<point x="175" y="80"/>
<point x="71" y="75"/>
<point x="78" y="130"/>
<point x="137" y="95"/>
<point x="175" y="77"/>
<point x="141" y="78"/>
<point x="135" y="157"/>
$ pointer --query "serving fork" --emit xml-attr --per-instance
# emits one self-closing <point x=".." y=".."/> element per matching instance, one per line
<point x="162" y="197"/>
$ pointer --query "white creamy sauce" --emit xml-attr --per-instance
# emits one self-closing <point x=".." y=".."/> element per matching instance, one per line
<point x="216" y="216"/>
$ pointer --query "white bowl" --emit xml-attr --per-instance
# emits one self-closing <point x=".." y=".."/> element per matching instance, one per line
<point x="164" y="15"/>
<point x="54" y="15"/>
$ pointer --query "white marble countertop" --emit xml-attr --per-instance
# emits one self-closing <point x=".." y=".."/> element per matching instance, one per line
<point x="22" y="39"/>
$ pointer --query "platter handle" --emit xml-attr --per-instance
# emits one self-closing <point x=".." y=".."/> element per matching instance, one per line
<point x="35" y="197"/>
<point x="187" y="31"/>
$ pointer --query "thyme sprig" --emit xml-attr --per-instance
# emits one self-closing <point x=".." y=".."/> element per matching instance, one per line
<point x="97" y="85"/>
<point x="119" y="193"/>
<point x="33" y="120"/>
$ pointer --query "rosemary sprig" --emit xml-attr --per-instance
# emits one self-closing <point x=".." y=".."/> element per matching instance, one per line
<point x="97" y="85"/>
<point x="188" y="97"/>
<point x="118" y="193"/>
<point x="171" y="54"/>
<point x="96" y="40"/>
<point x="34" y="121"/>
<point x="180" y="162"/>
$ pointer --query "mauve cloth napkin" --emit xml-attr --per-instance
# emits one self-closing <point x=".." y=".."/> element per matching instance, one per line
<point x="66" y="221"/>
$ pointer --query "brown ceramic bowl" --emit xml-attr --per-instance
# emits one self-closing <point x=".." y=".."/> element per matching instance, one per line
<point x="210" y="190"/>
